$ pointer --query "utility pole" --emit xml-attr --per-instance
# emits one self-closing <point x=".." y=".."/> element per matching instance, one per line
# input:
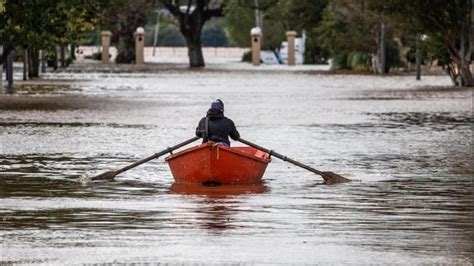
<point x="258" y="21"/>
<point x="56" y="57"/>
<point x="157" y="28"/>
<point x="1" y="68"/>
<point x="382" y="47"/>
<point x="43" y="61"/>
<point x="418" y="57"/>
<point x="257" y="15"/>
<point x="25" y="63"/>
<point x="62" y="56"/>
<point x="9" y="73"/>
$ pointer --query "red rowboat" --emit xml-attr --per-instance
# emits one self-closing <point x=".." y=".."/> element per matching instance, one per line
<point x="216" y="163"/>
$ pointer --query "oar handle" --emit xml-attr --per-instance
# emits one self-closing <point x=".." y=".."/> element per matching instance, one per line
<point x="283" y="157"/>
<point x="156" y="155"/>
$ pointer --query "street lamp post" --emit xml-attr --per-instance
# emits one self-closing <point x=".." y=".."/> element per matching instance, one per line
<point x="382" y="48"/>
<point x="418" y="57"/>
<point x="1" y="68"/>
<point x="258" y="21"/>
<point x="157" y="28"/>
<point x="257" y="15"/>
<point x="10" y="57"/>
<point x="159" y="13"/>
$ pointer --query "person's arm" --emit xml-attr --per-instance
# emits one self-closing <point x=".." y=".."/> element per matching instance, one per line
<point x="234" y="134"/>
<point x="200" y="129"/>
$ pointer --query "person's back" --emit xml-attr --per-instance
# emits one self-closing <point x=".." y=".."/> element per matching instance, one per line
<point x="216" y="127"/>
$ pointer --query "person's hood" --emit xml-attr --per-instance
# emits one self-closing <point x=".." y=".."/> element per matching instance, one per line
<point x="215" y="114"/>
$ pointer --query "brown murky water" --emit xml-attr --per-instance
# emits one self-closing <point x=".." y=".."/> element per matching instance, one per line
<point x="408" y="143"/>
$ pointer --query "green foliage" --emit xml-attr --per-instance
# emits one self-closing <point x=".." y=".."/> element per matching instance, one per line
<point x="126" y="55"/>
<point x="392" y="56"/>
<point x="213" y="34"/>
<point x="170" y="35"/>
<point x="353" y="27"/>
<point x="339" y="61"/>
<point x="315" y="53"/>
<point x="123" y="19"/>
<point x="448" y="26"/>
<point x="191" y="23"/>
<point x="90" y="38"/>
<point x="247" y="56"/>
<point x="435" y="49"/>
<point x="306" y="16"/>
<point x="278" y="17"/>
<point x="359" y="61"/>
<point x="95" y="56"/>
<point x="432" y="50"/>
<point x="349" y="25"/>
<point x="240" y="19"/>
<point x="41" y="24"/>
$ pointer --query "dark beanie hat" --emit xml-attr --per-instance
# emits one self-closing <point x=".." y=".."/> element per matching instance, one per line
<point x="217" y="104"/>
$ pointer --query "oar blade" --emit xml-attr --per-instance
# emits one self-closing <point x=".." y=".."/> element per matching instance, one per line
<point x="107" y="176"/>
<point x="333" y="178"/>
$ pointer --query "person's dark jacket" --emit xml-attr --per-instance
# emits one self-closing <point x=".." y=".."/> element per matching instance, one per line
<point x="219" y="128"/>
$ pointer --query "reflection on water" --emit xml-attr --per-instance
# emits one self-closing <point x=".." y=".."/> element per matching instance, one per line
<point x="409" y="146"/>
<point x="218" y="206"/>
<point x="218" y="190"/>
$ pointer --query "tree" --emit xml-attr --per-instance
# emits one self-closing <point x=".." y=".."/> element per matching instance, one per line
<point x="213" y="33"/>
<point x="349" y="26"/>
<point x="123" y="17"/>
<point x="192" y="15"/>
<point x="278" y="16"/>
<point x="42" y="24"/>
<point x="448" y="24"/>
<point x="351" y="31"/>
<point x="240" y="19"/>
<point x="306" y="16"/>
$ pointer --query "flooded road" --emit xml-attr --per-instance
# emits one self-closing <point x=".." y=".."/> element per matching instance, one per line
<point x="408" y="144"/>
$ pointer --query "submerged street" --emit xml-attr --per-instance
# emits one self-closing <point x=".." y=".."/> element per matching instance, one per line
<point x="407" y="145"/>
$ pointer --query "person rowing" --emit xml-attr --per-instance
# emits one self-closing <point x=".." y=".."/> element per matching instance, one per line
<point x="216" y="127"/>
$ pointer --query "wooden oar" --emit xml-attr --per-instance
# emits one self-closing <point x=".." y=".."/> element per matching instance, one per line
<point x="111" y="174"/>
<point x="329" y="177"/>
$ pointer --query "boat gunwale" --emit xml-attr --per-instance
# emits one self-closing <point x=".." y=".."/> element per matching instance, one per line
<point x="228" y="149"/>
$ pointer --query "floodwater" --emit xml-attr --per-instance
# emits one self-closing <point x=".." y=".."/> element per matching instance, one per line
<point x="407" y="144"/>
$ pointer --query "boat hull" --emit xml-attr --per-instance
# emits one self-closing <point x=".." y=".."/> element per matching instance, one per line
<point x="211" y="163"/>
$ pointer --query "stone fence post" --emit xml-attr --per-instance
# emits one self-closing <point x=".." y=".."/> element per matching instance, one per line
<point x="290" y="37"/>
<point x="256" y="34"/>
<point x="139" y="46"/>
<point x="105" y="46"/>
